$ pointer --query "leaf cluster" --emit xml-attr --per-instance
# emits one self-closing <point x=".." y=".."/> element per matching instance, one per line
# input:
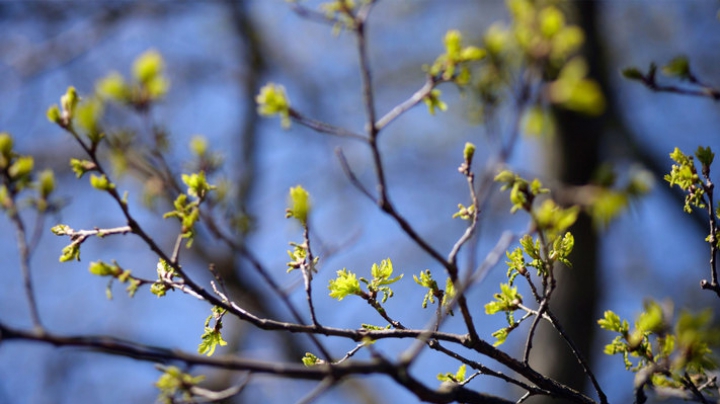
<point x="347" y="283"/>
<point x="666" y="355"/>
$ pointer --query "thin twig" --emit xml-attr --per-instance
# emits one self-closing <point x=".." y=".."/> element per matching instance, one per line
<point x="24" y="251"/>
<point x="703" y="91"/>
<point x="265" y="275"/>
<point x="323" y="127"/>
<point x="548" y="288"/>
<point x="116" y="346"/>
<point x="307" y="270"/>
<point x="484" y="369"/>
<point x="325" y="385"/>
<point x="209" y="396"/>
<point x="693" y="389"/>
<point x="350" y="353"/>
<point x="418" y="96"/>
<point x="383" y="313"/>
<point x="351" y="175"/>
<point x="466" y="170"/>
<point x="578" y="355"/>
<point x="713" y="238"/>
<point x="490" y="261"/>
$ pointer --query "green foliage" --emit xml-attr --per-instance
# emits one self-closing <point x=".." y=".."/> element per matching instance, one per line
<point x="705" y="156"/>
<point x="457" y="377"/>
<point x="341" y="12"/>
<point x="347" y="283"/>
<point x="68" y="102"/>
<point x="149" y="83"/>
<point x="88" y="115"/>
<point x="538" y="122"/>
<point x="522" y="193"/>
<point x="670" y="354"/>
<point x="188" y="211"/>
<point x="425" y="280"/>
<point x="685" y="175"/>
<point x="174" y="384"/>
<point x="632" y="73"/>
<point x="453" y="64"/>
<point x="212" y="337"/>
<point x="115" y="272"/>
<point x="468" y="152"/>
<point x="381" y="278"/>
<point x="63" y="116"/>
<point x="113" y="86"/>
<point x="46" y="183"/>
<point x="506" y="301"/>
<point x="53" y="115"/>
<point x="375" y="328"/>
<point x="299" y="205"/>
<point x="272" y="101"/>
<point x="433" y="102"/>
<point x="535" y="53"/>
<point x="70" y="252"/>
<point x="561" y="249"/>
<point x="606" y="200"/>
<point x="197" y="184"/>
<point x="100" y="268"/>
<point x="80" y="167"/>
<point x="344" y="285"/>
<point x="464" y="212"/>
<point x="101" y="182"/>
<point x="678" y="67"/>
<point x="20" y="170"/>
<point x="572" y="90"/>
<point x="166" y="273"/>
<point x="434" y="292"/>
<point x="554" y="219"/>
<point x="310" y="360"/>
<point x="299" y="257"/>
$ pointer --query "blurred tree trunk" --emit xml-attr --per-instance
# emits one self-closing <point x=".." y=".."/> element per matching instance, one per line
<point x="575" y="300"/>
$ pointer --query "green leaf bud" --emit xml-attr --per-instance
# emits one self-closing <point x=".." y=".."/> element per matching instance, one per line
<point x="632" y="73"/>
<point x="102" y="183"/>
<point x="88" y="114"/>
<point x="6" y="145"/>
<point x="272" y="100"/>
<point x="310" y="360"/>
<point x="22" y="167"/>
<point x="53" y="115"/>
<point x="68" y="102"/>
<point x="472" y="53"/>
<point x="71" y="252"/>
<point x="199" y="145"/>
<point x="148" y="66"/>
<point x="100" y="268"/>
<point x="453" y="44"/>
<point x="113" y="86"/>
<point x="468" y="152"/>
<point x="678" y="67"/>
<point x="299" y="201"/>
<point x="705" y="155"/>
<point x="80" y="167"/>
<point x="197" y="184"/>
<point x="552" y="21"/>
<point x="46" y="183"/>
<point x="61" y="230"/>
